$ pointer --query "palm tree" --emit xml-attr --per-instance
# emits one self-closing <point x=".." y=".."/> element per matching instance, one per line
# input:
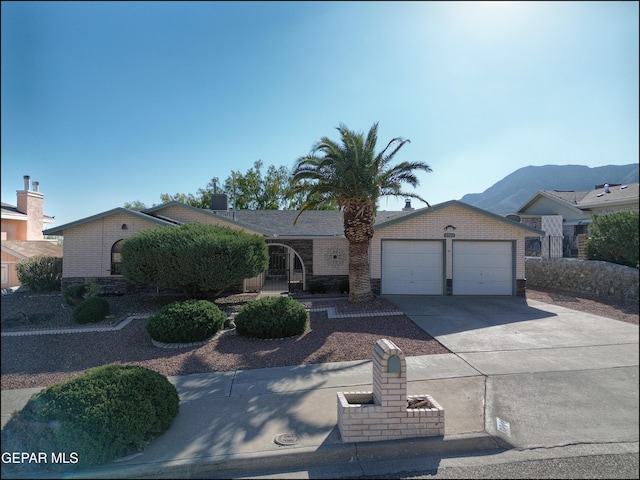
<point x="352" y="175"/>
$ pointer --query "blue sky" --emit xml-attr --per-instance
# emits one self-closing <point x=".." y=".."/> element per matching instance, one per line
<point x="107" y="103"/>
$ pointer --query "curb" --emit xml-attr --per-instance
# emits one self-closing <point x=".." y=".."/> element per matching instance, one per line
<point x="345" y="459"/>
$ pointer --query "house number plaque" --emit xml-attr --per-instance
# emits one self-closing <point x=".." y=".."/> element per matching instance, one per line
<point x="449" y="235"/>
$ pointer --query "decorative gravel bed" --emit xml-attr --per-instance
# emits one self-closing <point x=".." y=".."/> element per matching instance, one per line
<point x="41" y="360"/>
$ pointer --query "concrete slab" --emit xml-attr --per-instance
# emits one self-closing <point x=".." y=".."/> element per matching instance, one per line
<point x="550" y="409"/>
<point x="553" y="359"/>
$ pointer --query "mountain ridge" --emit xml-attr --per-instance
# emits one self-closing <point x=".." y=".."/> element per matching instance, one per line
<point x="510" y="193"/>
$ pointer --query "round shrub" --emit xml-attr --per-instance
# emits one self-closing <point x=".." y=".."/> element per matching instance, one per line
<point x="91" y="310"/>
<point x="186" y="321"/>
<point x="272" y="317"/>
<point x="106" y="413"/>
<point x="74" y="295"/>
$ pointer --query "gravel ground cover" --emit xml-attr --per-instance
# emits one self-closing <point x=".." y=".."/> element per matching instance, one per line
<point x="42" y="360"/>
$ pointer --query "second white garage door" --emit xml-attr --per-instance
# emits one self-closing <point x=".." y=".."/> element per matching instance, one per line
<point x="412" y="267"/>
<point x="482" y="268"/>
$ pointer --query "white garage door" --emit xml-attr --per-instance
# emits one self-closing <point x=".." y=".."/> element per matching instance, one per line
<point x="412" y="267"/>
<point x="482" y="268"/>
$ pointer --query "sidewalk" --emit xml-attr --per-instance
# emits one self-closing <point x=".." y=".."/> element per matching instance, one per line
<point x="521" y="377"/>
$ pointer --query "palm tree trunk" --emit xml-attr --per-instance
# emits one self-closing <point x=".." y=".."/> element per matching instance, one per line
<point x="359" y="276"/>
<point x="359" y="219"/>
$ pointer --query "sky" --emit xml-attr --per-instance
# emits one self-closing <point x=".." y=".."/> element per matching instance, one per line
<point x="105" y="103"/>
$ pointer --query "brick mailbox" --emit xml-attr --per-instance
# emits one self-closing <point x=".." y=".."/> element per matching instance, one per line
<point x="388" y="413"/>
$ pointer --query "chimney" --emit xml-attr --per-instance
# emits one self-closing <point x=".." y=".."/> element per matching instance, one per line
<point x="606" y="188"/>
<point x="31" y="203"/>
<point x="407" y="205"/>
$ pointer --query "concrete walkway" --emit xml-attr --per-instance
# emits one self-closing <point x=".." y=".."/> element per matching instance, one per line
<point x="522" y="375"/>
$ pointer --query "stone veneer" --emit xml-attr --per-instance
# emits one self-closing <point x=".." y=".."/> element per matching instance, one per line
<point x="384" y="414"/>
<point x="591" y="277"/>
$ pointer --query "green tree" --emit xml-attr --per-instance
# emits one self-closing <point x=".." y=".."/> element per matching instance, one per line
<point x="135" y="205"/>
<point x="354" y="176"/>
<point x="198" y="259"/>
<point x="614" y="238"/>
<point x="255" y="191"/>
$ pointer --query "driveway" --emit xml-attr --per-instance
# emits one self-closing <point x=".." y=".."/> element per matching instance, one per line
<point x="554" y="376"/>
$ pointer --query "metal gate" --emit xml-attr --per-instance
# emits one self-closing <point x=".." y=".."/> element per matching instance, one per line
<point x="277" y="277"/>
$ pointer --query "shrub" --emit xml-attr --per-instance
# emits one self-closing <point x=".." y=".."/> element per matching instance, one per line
<point x="614" y="238"/>
<point x="196" y="258"/>
<point x="317" y="287"/>
<point x="76" y="294"/>
<point x="106" y="413"/>
<point x="186" y="321"/>
<point x="40" y="273"/>
<point x="272" y="317"/>
<point x="91" y="310"/>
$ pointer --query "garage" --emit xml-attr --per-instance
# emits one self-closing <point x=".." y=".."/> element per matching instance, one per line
<point x="412" y="267"/>
<point x="482" y="268"/>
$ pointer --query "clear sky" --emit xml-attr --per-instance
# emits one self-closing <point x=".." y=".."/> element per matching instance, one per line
<point x="109" y="102"/>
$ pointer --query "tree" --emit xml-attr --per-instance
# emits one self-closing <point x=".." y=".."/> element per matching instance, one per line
<point x="354" y="176"/>
<point x="614" y="238"/>
<point x="135" y="205"/>
<point x="253" y="191"/>
<point x="198" y="259"/>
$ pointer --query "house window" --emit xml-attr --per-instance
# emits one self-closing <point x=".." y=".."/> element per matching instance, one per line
<point x="116" y="258"/>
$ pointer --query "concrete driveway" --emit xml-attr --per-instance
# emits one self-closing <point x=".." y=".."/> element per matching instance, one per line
<point x="554" y="376"/>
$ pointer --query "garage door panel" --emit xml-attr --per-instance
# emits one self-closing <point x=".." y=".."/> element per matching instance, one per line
<point x="412" y="267"/>
<point x="482" y="268"/>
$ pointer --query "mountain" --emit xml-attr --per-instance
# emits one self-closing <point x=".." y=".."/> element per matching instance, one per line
<point x="515" y="189"/>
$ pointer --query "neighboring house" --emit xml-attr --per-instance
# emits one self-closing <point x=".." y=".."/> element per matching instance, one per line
<point x="565" y="214"/>
<point x="22" y="227"/>
<point x="447" y="249"/>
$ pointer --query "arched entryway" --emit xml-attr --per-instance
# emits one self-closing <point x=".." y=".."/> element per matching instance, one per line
<point x="285" y="272"/>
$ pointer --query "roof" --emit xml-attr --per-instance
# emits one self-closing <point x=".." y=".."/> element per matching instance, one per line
<point x="283" y="223"/>
<point x="31" y="248"/>
<point x="134" y="213"/>
<point x="479" y="211"/>
<point x="588" y="199"/>
<point x="616" y="195"/>
<point x="11" y="212"/>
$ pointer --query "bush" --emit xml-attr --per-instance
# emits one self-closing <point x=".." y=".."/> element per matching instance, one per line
<point x="40" y="273"/>
<point x="76" y="294"/>
<point x="195" y="258"/>
<point x="107" y="413"/>
<point x="91" y="310"/>
<point x="186" y="321"/>
<point x="272" y="317"/>
<point x="614" y="238"/>
<point x="317" y="287"/>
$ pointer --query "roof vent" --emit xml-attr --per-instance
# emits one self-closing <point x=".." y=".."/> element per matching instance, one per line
<point x="606" y="188"/>
<point x="513" y="218"/>
<point x="407" y="205"/>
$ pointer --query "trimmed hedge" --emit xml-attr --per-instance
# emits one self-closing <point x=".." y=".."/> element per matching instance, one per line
<point x="107" y="413"/>
<point x="186" y="321"/>
<point x="195" y="258"/>
<point x="91" y="310"/>
<point x="272" y="317"/>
